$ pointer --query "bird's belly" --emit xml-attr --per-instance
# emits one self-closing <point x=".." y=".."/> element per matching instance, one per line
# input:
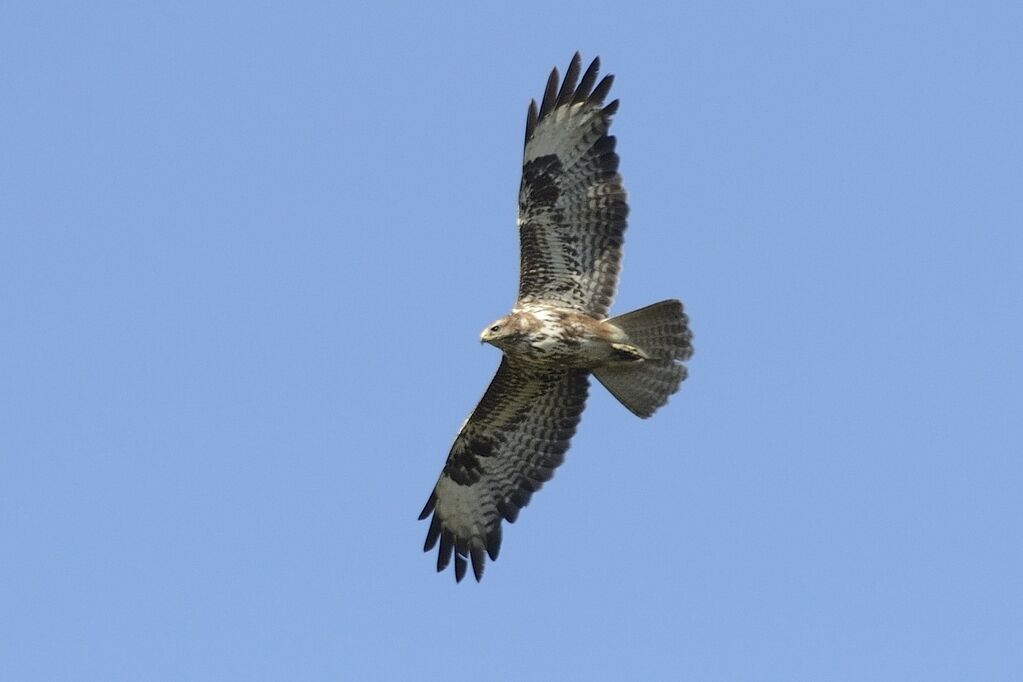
<point x="566" y="351"/>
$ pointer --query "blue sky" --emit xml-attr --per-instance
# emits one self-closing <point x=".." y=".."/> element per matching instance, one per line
<point x="245" y="254"/>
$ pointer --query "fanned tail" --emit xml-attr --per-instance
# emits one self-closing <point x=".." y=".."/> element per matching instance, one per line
<point x="662" y="332"/>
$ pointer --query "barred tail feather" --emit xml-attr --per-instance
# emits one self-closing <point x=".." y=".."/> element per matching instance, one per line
<point x="662" y="332"/>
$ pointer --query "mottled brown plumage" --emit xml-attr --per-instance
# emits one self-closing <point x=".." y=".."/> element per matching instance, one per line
<point x="572" y="214"/>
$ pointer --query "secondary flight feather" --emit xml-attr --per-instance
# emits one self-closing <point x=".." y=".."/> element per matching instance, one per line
<point x="572" y="215"/>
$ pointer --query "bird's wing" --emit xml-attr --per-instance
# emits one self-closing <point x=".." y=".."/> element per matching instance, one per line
<point x="507" y="448"/>
<point x="572" y="205"/>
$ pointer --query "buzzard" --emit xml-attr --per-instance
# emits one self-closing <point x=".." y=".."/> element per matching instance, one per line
<point x="572" y="211"/>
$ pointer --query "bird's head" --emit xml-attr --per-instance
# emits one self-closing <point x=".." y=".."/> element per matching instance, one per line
<point x="498" y="331"/>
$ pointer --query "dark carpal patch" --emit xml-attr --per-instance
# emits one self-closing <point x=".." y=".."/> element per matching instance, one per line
<point x="540" y="181"/>
<point x="463" y="466"/>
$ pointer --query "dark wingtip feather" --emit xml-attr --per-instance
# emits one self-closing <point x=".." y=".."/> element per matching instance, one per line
<point x="433" y="534"/>
<point x="603" y="87"/>
<point x="447" y="546"/>
<point x="430" y="503"/>
<point x="520" y="497"/>
<point x="550" y="94"/>
<point x="460" y="565"/>
<point x="478" y="559"/>
<point x="610" y="109"/>
<point x="508" y="510"/>
<point x="531" y="119"/>
<point x="589" y="78"/>
<point x="568" y="84"/>
<point x="494" y="542"/>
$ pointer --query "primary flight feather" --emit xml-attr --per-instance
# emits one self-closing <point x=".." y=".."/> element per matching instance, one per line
<point x="572" y="211"/>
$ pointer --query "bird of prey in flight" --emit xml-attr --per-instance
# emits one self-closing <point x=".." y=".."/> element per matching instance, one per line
<point x="572" y="211"/>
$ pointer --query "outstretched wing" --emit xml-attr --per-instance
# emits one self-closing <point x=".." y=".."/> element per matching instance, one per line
<point x="572" y="206"/>
<point x="507" y="448"/>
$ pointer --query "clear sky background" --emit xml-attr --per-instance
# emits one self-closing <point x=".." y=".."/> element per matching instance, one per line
<point x="245" y="255"/>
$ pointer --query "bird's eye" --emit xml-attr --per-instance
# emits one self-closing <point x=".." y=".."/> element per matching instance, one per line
<point x="496" y="328"/>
